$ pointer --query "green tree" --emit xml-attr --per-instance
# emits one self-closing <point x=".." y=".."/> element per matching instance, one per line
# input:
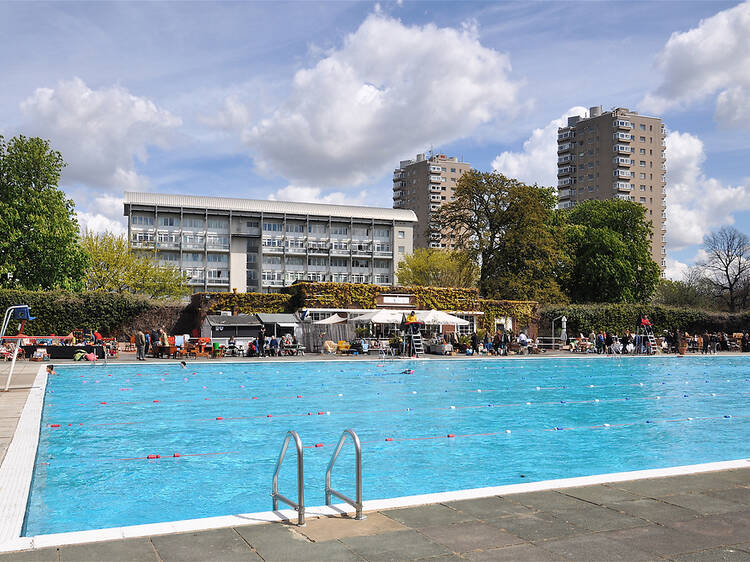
<point x="608" y="242"/>
<point x="438" y="268"/>
<point x="506" y="226"/>
<point x="38" y="228"/>
<point x="115" y="268"/>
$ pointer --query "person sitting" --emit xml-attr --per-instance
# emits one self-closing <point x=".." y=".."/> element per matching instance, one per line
<point x="274" y="346"/>
<point x="523" y="342"/>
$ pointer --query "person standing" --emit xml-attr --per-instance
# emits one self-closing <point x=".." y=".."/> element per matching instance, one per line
<point x="262" y="342"/>
<point x="147" y="344"/>
<point x="140" y="344"/>
<point x="475" y="343"/>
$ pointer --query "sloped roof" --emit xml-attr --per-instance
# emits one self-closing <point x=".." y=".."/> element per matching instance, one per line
<point x="282" y="318"/>
<point x="260" y="205"/>
<point x="239" y="320"/>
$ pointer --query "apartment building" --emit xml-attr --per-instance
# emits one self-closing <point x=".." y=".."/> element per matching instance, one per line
<point x="616" y="154"/>
<point x="223" y="243"/>
<point x="424" y="185"/>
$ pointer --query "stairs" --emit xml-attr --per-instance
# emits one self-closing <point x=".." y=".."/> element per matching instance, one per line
<point x="417" y="344"/>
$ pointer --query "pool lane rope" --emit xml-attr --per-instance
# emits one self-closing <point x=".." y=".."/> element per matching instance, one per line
<point x="391" y="439"/>
<point x="410" y="409"/>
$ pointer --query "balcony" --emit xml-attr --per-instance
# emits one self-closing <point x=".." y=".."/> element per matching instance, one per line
<point x="399" y="184"/>
<point x="622" y="186"/>
<point x="564" y="159"/>
<point x="398" y="175"/>
<point x="340" y="251"/>
<point x="272" y="282"/>
<point x="436" y="179"/>
<point x="273" y="249"/>
<point x="564" y="194"/>
<point x="623" y="197"/>
<point x="216" y="247"/>
<point x="622" y="124"/>
<point x="296" y="250"/>
<point x="620" y="161"/>
<point x="621" y="173"/>
<point x="664" y="228"/>
<point x="434" y="207"/>
<point x="435" y="188"/>
<point x="625" y="137"/>
<point x="565" y="181"/>
<point x="565" y="170"/>
<point x="566" y="135"/>
<point x="563" y="147"/>
<point x="622" y="149"/>
<point x="435" y="169"/>
<point x="142" y="244"/>
<point x="362" y="251"/>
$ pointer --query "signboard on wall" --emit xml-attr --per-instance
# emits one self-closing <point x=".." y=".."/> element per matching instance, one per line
<point x="395" y="301"/>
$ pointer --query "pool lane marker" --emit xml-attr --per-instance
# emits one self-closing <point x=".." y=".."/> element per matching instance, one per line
<point x="441" y="408"/>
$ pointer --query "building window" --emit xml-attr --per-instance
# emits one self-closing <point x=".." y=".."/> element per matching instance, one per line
<point x="642" y="139"/>
<point x="401" y="234"/>
<point x="401" y="249"/>
<point x="295" y="260"/>
<point x="339" y="230"/>
<point x="642" y="176"/>
<point x="382" y="233"/>
<point x="316" y="228"/>
<point x="143" y="221"/>
<point x="360" y="263"/>
<point x="642" y="163"/>
<point x="252" y="258"/>
<point x="270" y="226"/>
<point x="642" y="127"/>
<point x="218" y="224"/>
<point x="339" y="262"/>
<point x="295" y="227"/>
<point x="169" y="221"/>
<point x="318" y="261"/>
<point x="642" y="200"/>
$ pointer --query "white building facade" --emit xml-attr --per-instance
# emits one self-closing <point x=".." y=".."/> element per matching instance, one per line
<point x="252" y="245"/>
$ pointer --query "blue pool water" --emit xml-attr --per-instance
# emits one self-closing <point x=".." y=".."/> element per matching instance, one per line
<point x="92" y="472"/>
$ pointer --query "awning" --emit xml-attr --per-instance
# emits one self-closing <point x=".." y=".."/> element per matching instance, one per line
<point x="380" y="317"/>
<point x="287" y="324"/>
<point x="332" y="319"/>
<point x="440" y="318"/>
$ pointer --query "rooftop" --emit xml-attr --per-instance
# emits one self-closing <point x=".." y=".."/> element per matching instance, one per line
<point x="260" y="205"/>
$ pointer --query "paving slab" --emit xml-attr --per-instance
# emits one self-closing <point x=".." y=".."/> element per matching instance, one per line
<point x="737" y="495"/>
<point x="331" y="528"/>
<point x="517" y="553"/>
<point x="683" y="484"/>
<point x="130" y="550"/>
<point x="718" y="530"/>
<point x="596" y="548"/>
<point x="219" y="544"/>
<point x="549" y="501"/>
<point x="723" y="554"/>
<point x="600" y="494"/>
<point x="537" y="527"/>
<point x="283" y="542"/>
<point x="428" y="515"/>
<point x="595" y="518"/>
<point x="41" y="555"/>
<point x="465" y="537"/>
<point x="654" y="511"/>
<point x="401" y="545"/>
<point x="706" y="504"/>
<point x="659" y="540"/>
<point x="491" y="508"/>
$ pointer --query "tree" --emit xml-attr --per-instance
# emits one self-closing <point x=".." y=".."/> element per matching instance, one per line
<point x="438" y="268"/>
<point x="506" y="227"/>
<point x="608" y="243"/>
<point x="38" y="229"/>
<point x="115" y="268"/>
<point x="727" y="266"/>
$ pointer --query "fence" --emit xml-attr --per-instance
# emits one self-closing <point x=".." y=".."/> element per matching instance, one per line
<point x="313" y="335"/>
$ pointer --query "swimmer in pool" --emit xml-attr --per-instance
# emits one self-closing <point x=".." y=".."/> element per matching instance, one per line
<point x="407" y="372"/>
<point x="183" y="364"/>
<point x="51" y="370"/>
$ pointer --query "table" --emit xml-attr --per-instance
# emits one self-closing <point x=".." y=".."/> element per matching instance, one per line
<point x="168" y="350"/>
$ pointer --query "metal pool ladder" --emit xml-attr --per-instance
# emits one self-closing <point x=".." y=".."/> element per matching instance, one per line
<point x="300" y="505"/>
<point x="330" y="491"/>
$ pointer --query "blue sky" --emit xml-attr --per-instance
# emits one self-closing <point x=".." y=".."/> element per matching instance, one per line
<point x="319" y="101"/>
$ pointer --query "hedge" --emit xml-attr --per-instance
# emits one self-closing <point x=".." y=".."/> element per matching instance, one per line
<point x="617" y="318"/>
<point x="242" y="303"/>
<point x="60" y="312"/>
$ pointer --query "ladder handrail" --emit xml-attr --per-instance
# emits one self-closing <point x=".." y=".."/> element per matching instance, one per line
<point x="275" y="495"/>
<point x="357" y="505"/>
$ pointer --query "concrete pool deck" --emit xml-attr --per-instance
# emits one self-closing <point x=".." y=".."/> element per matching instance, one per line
<point x="696" y="517"/>
<point x="690" y="517"/>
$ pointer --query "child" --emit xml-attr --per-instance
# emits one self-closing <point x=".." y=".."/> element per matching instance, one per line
<point x="51" y="370"/>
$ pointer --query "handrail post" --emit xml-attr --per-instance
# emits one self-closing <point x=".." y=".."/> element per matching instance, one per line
<point x="275" y="495"/>
<point x="357" y="503"/>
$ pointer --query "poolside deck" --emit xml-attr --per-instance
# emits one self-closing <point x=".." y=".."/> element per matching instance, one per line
<point x="698" y="517"/>
<point x="690" y="517"/>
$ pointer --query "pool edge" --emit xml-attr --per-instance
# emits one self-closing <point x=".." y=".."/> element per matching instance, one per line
<point x="17" y="469"/>
<point x="18" y="543"/>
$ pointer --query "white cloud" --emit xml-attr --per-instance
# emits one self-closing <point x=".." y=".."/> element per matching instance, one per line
<point x="696" y="204"/>
<point x="386" y="93"/>
<point x="713" y="57"/>
<point x="233" y="116"/>
<point x="100" y="133"/>
<point x="675" y="270"/>
<point x="315" y="195"/>
<point x="103" y="213"/>
<point x="537" y="162"/>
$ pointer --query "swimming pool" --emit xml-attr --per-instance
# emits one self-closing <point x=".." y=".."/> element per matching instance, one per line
<point x="511" y="421"/>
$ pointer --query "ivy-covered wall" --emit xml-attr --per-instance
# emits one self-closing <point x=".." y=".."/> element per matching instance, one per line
<point x="620" y="317"/>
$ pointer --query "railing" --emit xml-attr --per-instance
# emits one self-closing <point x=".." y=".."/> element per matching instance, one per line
<point x="356" y="504"/>
<point x="275" y="495"/>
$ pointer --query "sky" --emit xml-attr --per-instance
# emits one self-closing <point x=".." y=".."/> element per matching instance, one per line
<point x="319" y="101"/>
